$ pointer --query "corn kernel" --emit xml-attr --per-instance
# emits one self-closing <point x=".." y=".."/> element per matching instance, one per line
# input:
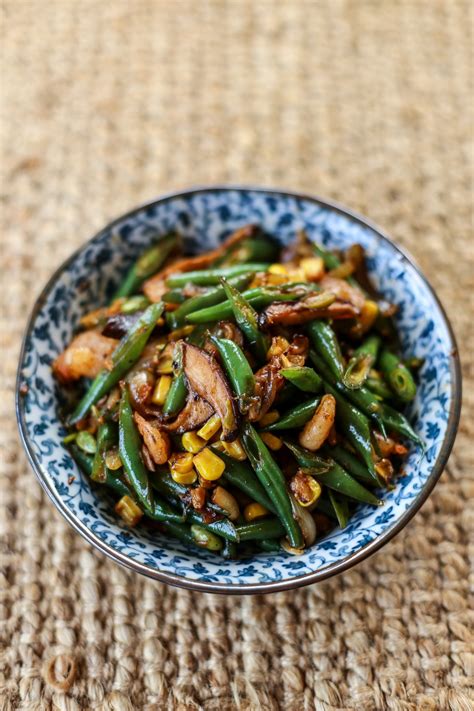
<point x="219" y="446"/>
<point x="165" y="366"/>
<point x="253" y="511"/>
<point x="269" y="418"/>
<point x="369" y="313"/>
<point x="311" y="492"/>
<point x="185" y="478"/>
<point x="277" y="269"/>
<point x="180" y="333"/>
<point x="192" y="442"/>
<point x="276" y="279"/>
<point x="313" y="268"/>
<point x="210" y="428"/>
<point x="296" y="275"/>
<point x="208" y="464"/>
<point x="271" y="441"/>
<point x="161" y="390"/>
<point x="128" y="510"/>
<point x="235" y="450"/>
<point x="181" y="462"/>
<point x="112" y="459"/>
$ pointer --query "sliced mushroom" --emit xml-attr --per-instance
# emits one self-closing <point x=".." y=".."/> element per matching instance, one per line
<point x="85" y="356"/>
<point x="206" y="378"/>
<point x="268" y="383"/>
<point x="194" y="414"/>
<point x="317" y="429"/>
<point x="157" y="442"/>
<point x="343" y="291"/>
<point x="155" y="287"/>
<point x="296" y="313"/>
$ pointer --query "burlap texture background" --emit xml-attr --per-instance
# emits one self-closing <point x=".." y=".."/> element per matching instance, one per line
<point x="106" y="104"/>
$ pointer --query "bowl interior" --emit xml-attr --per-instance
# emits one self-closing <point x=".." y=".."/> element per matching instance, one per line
<point x="205" y="217"/>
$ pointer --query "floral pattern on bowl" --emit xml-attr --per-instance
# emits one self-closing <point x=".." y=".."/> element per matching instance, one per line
<point x="204" y="217"/>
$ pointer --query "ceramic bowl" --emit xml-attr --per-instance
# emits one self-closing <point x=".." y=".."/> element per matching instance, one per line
<point x="204" y="216"/>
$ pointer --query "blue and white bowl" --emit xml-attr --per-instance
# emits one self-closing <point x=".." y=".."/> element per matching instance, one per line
<point x="205" y="216"/>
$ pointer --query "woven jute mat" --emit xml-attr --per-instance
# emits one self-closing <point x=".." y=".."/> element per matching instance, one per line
<point x="106" y="104"/>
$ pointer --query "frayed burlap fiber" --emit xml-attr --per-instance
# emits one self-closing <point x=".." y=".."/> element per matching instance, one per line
<point x="108" y="103"/>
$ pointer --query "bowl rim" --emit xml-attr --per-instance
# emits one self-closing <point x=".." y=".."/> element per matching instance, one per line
<point x="247" y="588"/>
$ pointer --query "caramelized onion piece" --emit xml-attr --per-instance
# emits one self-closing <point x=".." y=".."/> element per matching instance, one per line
<point x="85" y="356"/>
<point x="157" y="442"/>
<point x="343" y="291"/>
<point x="317" y="429"/>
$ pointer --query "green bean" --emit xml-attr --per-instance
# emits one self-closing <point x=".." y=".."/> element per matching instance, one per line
<point x="86" y="441"/>
<point x="130" y="454"/>
<point x="304" y="378"/>
<point x="205" y="538"/>
<point x="247" y="319"/>
<point x="180" y="531"/>
<point x="212" y="297"/>
<point x="330" y="260"/>
<point x="341" y="508"/>
<point x="325" y="506"/>
<point x="327" y="346"/>
<point x="296" y="417"/>
<point x="396" y="421"/>
<point x="362" y="398"/>
<point x="207" y="277"/>
<point x="160" y="511"/>
<point x="178" y="392"/>
<point x="124" y="356"/>
<point x="307" y="459"/>
<point x="349" y="462"/>
<point x="269" y="546"/>
<point x="287" y="394"/>
<point x="240" y="475"/>
<point x="237" y="369"/>
<point x="167" y="487"/>
<point x="83" y="460"/>
<point x="106" y="438"/>
<point x="273" y="481"/>
<point x="176" y="396"/>
<point x="384" y="415"/>
<point x="360" y="364"/>
<point x="222" y="527"/>
<point x="111" y="481"/>
<point x="397" y="375"/>
<point x="333" y="476"/>
<point x="146" y="265"/>
<point x="339" y="480"/>
<point x="256" y="249"/>
<point x="355" y="426"/>
<point x="263" y="529"/>
<point x="174" y="296"/>
<point x="377" y="385"/>
<point x="257" y="298"/>
<point x="229" y="550"/>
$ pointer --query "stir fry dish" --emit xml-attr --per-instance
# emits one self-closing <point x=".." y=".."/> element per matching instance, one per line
<point x="244" y="399"/>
